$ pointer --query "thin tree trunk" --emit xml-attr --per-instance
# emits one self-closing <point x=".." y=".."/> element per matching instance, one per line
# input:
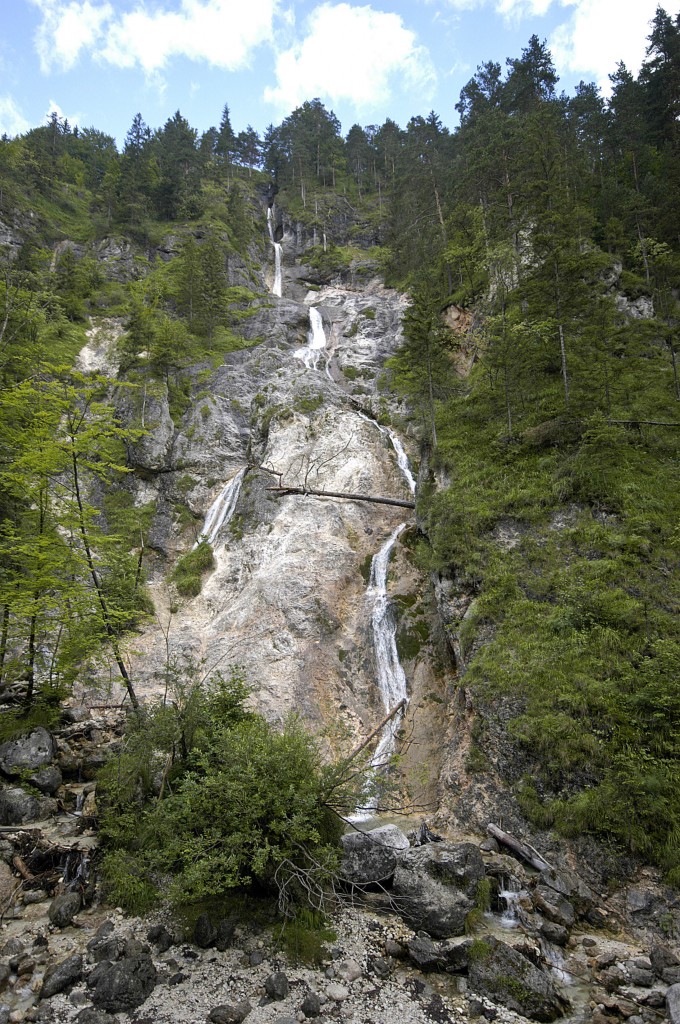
<point x="563" y="356"/>
<point x="110" y="632"/>
<point x="675" y="369"/>
<point x="3" y="641"/>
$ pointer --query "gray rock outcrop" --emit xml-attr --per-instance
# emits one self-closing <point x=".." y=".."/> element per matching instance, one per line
<point x="17" y="807"/>
<point x="436" y="886"/>
<point x="506" y="976"/>
<point x="123" y="986"/>
<point x="27" y="753"/>
<point x="370" y="857"/>
<point x="61" y="976"/>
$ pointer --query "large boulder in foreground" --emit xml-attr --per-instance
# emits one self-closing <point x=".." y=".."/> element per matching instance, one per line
<point x="124" y="985"/>
<point x="436" y="886"/>
<point x="505" y="976"/>
<point x="370" y="857"/>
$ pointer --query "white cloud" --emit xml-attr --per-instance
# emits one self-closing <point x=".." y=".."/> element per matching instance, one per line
<point x="12" y="121"/>
<point x="68" y="28"/>
<point x="222" y="32"/>
<point x="517" y="9"/>
<point x="54" y="107"/>
<point x="353" y="54"/>
<point x="600" y="34"/>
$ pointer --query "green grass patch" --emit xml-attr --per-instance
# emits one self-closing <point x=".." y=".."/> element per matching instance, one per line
<point x="190" y="569"/>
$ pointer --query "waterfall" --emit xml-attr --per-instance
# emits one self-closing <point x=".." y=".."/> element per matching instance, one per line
<point x="402" y="460"/>
<point x="391" y="678"/>
<point x="316" y="341"/>
<point x="402" y="457"/>
<point x="276" y="287"/>
<point x="511" y="893"/>
<point x="222" y="508"/>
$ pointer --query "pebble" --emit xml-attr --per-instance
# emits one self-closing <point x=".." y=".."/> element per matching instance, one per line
<point x="338" y="993"/>
<point x="349" y="971"/>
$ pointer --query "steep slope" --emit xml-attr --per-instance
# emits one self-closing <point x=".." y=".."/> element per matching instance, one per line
<point x="286" y="598"/>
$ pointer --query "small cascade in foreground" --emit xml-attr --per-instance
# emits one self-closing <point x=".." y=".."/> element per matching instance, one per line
<point x="276" y="287"/>
<point x="316" y="341"/>
<point x="510" y="894"/>
<point x="222" y="509"/>
<point x="391" y="677"/>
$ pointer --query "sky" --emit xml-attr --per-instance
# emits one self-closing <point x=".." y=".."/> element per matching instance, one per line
<point x="99" y="62"/>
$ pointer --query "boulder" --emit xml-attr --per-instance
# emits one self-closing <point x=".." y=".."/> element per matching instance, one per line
<point x="436" y="885"/>
<point x="205" y="932"/>
<point x="554" y="906"/>
<point x="661" y="958"/>
<point x="61" y="976"/>
<point x="349" y="971"/>
<point x="123" y="986"/>
<point x="673" y="1004"/>
<point x="161" y="937"/>
<point x="31" y="752"/>
<point x="91" y="1015"/>
<point x="450" y="955"/>
<point x="311" y="1005"/>
<point x="17" y="807"/>
<point x="230" y="1013"/>
<point x="47" y="779"/>
<point x="370" y="857"/>
<point x="64" y="908"/>
<point x="505" y="976"/>
<point x="277" y="986"/>
<point x="556" y="933"/>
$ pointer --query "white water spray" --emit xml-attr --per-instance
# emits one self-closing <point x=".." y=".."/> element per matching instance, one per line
<point x="316" y="341"/>
<point x="402" y="457"/>
<point x="222" y="509"/>
<point x="276" y="287"/>
<point x="391" y="677"/>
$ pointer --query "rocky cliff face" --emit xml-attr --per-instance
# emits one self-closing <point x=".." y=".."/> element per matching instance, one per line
<point x="286" y="599"/>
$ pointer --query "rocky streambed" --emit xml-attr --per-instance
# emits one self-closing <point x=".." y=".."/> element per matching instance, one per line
<point x="406" y="945"/>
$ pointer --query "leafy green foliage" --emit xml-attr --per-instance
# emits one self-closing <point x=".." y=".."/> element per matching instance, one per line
<point x="206" y="798"/>
<point x="191" y="567"/>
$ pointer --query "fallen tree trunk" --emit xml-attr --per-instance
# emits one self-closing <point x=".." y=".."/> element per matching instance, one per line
<point x="401" y="503"/>
<point x="378" y="728"/>
<point x="522" y="850"/>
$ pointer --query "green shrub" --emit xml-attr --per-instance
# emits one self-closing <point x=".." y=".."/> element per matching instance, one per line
<point x="206" y="798"/>
<point x="190" y="568"/>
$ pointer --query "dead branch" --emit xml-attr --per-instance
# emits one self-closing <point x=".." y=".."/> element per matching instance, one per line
<point x="398" y="707"/>
<point x="523" y="850"/>
<point x="284" y="489"/>
<point x="20" y="865"/>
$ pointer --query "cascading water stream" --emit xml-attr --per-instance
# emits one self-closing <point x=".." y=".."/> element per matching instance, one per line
<point x="222" y="509"/>
<point x="316" y="341"/>
<point x="402" y="457"/>
<point x="276" y="287"/>
<point x="390" y="675"/>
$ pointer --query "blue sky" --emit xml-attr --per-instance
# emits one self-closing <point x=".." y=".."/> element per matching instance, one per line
<point x="99" y="62"/>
